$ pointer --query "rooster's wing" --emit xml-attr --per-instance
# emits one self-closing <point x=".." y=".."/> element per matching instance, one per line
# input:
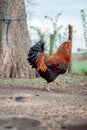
<point x="45" y="61"/>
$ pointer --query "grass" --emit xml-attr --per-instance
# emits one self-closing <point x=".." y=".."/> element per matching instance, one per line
<point x="79" y="67"/>
<point x="20" y="81"/>
<point x="13" y="82"/>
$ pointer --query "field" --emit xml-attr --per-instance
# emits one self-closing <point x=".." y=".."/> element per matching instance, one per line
<point x="79" y="67"/>
<point x="53" y="109"/>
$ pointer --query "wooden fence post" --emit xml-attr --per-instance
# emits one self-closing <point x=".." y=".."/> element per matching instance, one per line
<point x="70" y="27"/>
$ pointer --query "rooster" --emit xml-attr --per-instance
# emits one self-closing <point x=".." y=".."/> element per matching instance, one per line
<point x="49" y="67"/>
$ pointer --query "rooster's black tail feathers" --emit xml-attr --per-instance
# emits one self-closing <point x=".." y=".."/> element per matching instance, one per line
<point x="35" y="50"/>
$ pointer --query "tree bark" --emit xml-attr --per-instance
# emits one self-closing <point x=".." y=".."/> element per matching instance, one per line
<point x="14" y="41"/>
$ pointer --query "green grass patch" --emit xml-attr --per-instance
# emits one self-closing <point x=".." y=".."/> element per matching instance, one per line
<point x="21" y="81"/>
<point x="79" y="67"/>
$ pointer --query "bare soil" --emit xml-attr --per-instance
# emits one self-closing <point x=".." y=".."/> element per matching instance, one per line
<point x="29" y="97"/>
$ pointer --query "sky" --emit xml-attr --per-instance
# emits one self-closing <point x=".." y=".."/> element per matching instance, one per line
<point x="70" y="15"/>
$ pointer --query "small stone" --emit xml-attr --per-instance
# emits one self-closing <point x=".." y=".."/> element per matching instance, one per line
<point x="37" y="94"/>
<point x="18" y="98"/>
<point x="75" y="124"/>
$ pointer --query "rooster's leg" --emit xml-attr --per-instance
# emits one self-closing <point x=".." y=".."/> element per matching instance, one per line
<point x="47" y="87"/>
<point x="58" y="84"/>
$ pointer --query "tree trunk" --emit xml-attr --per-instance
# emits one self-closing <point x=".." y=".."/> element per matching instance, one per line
<point x="14" y="40"/>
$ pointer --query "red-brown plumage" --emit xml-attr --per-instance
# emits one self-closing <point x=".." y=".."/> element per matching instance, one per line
<point x="62" y="55"/>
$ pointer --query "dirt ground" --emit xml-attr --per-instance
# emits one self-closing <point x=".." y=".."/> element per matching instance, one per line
<point x="52" y="108"/>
